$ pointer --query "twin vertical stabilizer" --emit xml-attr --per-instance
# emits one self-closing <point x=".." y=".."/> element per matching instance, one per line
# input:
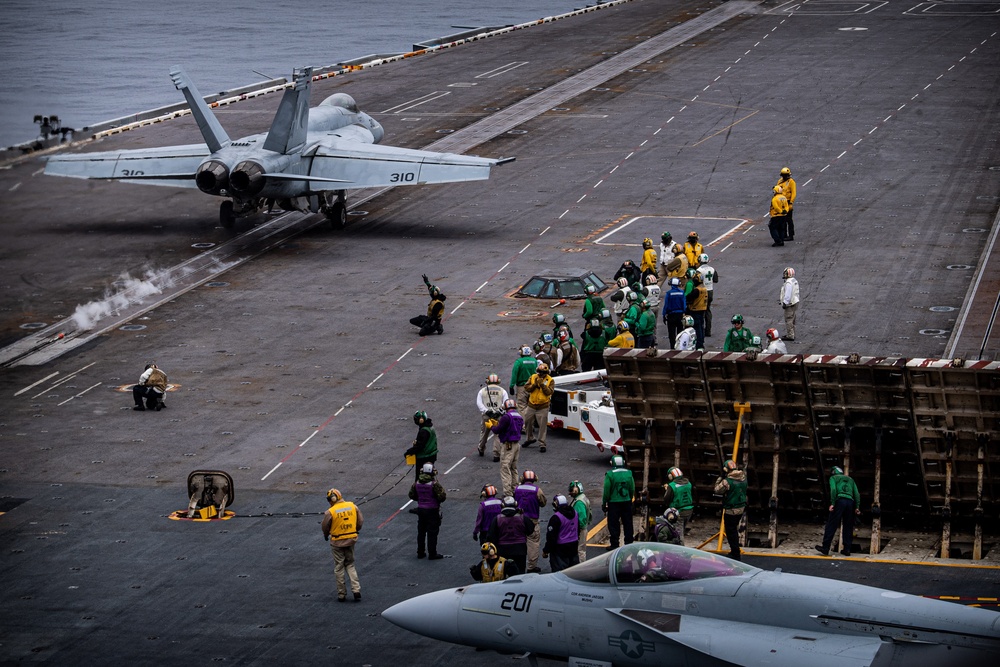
<point x="291" y="123"/>
<point x="215" y="136"/>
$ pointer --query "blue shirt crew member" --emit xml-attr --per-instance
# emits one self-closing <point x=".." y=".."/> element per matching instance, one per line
<point x="562" y="535"/>
<point x="844" y="501"/>
<point x="530" y="500"/>
<point x="429" y="495"/>
<point x="674" y="305"/>
<point x="616" y="501"/>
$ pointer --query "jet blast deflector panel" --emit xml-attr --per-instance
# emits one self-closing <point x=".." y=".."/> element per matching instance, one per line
<point x="930" y="427"/>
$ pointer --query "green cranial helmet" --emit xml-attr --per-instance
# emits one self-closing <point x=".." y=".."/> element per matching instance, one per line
<point x="419" y="417"/>
<point x="836" y="470"/>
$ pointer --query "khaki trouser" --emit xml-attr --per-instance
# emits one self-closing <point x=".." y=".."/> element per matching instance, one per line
<point x="530" y="416"/>
<point x="521" y="398"/>
<point x="508" y="466"/>
<point x="534" y="545"/>
<point x="343" y="561"/>
<point x="790" y="320"/>
<point x="581" y="548"/>
<point x="484" y="435"/>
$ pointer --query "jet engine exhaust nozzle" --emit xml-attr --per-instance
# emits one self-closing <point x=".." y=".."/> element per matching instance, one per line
<point x="247" y="178"/>
<point x="212" y="177"/>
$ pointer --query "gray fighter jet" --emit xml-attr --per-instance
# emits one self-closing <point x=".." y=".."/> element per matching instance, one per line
<point x="306" y="162"/>
<point x="657" y="604"/>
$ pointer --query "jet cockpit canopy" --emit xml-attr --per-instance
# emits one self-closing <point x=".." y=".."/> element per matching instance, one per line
<point x="652" y="562"/>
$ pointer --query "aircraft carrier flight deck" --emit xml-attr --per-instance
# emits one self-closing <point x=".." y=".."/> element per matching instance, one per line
<point x="294" y="366"/>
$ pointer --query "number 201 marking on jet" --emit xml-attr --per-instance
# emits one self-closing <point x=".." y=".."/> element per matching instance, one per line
<point x="407" y="177"/>
<point x="516" y="602"/>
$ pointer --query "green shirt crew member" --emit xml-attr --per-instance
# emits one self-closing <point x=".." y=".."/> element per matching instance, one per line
<point x="616" y="501"/>
<point x="732" y="486"/>
<point x="425" y="445"/>
<point x="594" y="304"/>
<point x="738" y="338"/>
<point x="844" y="502"/>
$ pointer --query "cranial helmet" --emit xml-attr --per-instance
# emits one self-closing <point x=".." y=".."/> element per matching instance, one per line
<point x="489" y="491"/>
<point x="528" y="476"/>
<point x="605" y="314"/>
<point x="755" y="341"/>
<point x="575" y="488"/>
<point x="333" y="495"/>
<point x="772" y="334"/>
<point x="836" y="470"/>
<point x="542" y="369"/>
<point x="558" y="319"/>
<point x="547" y="338"/>
<point x="671" y="514"/>
<point x="509" y="404"/>
<point x="525" y="351"/>
<point x="650" y="279"/>
<point x="687" y="321"/>
<point x="737" y="319"/>
<point x="590" y="289"/>
<point x="622" y="282"/>
<point x="647" y="243"/>
<point x="617" y="461"/>
<point x="729" y="465"/>
<point x="488" y="550"/>
<point x="789" y="272"/>
<point x="559" y="501"/>
<point x="703" y="258"/>
<point x="622" y="326"/>
<point x="675" y="282"/>
<point x="493" y="379"/>
<point x="785" y="171"/>
<point x="631" y="297"/>
<point x="666" y="237"/>
<point x="777" y="189"/>
<point x="693" y="236"/>
<point x="563" y="335"/>
<point x="419" y="417"/>
<point x="427" y="469"/>
<point x="674" y="473"/>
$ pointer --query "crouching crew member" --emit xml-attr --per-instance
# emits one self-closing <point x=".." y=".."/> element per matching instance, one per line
<point x="493" y="567"/>
<point x="152" y="386"/>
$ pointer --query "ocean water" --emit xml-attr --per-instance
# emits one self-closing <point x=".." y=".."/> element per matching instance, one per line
<point x="92" y="61"/>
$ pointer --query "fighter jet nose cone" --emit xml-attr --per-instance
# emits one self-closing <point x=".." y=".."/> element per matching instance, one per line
<point x="432" y="615"/>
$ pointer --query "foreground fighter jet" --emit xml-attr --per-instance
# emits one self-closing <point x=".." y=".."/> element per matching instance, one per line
<point x="658" y="604"/>
<point x="306" y="162"/>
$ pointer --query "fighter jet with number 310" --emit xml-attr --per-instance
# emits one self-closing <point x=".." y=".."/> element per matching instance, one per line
<point x="656" y="604"/>
<point x="307" y="161"/>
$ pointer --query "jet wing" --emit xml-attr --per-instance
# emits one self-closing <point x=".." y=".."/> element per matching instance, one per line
<point x="750" y="644"/>
<point x="356" y="165"/>
<point x="173" y="166"/>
